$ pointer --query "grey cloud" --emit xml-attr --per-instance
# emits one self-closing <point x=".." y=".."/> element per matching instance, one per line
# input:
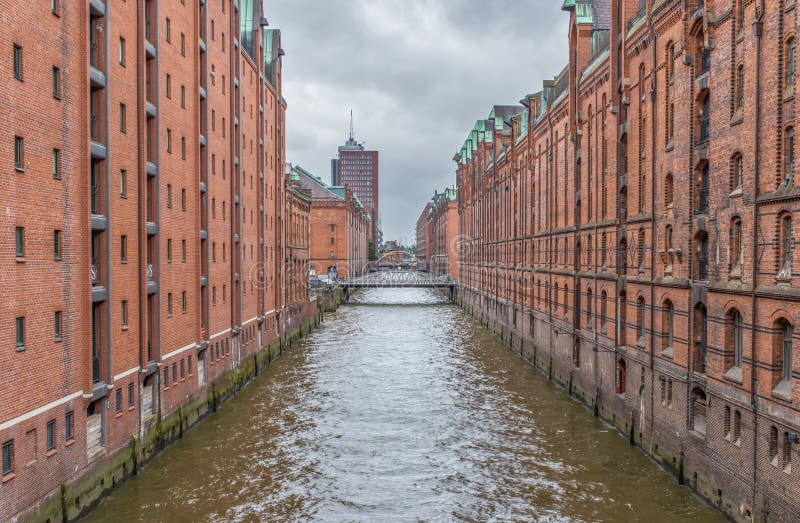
<point x="417" y="74"/>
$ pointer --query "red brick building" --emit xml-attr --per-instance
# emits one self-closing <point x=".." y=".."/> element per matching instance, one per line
<point x="422" y="238"/>
<point x="143" y="228"/>
<point x="437" y="232"/>
<point x="340" y="228"/>
<point x="630" y="228"/>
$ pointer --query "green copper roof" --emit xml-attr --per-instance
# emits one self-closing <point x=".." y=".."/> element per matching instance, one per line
<point x="583" y="13"/>
<point x="568" y="4"/>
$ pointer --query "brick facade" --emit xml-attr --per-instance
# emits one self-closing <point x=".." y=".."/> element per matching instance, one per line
<point x="158" y="166"/>
<point x="437" y="233"/>
<point x="630" y="228"/>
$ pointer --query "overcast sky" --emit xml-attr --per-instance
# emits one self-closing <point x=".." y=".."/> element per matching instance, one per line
<point x="416" y="73"/>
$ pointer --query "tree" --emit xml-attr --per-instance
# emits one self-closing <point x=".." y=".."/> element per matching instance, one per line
<point x="373" y="254"/>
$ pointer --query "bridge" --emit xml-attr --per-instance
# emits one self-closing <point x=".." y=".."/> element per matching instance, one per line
<point x="399" y="279"/>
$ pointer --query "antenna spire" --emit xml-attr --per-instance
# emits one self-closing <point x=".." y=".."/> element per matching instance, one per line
<point x="351" y="124"/>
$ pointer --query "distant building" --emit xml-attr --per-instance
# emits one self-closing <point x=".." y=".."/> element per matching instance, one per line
<point x="340" y="228"/>
<point x="437" y="231"/>
<point x="357" y="169"/>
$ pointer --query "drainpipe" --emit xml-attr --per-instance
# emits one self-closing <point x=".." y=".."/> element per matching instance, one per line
<point x="653" y="139"/>
<point x="758" y="30"/>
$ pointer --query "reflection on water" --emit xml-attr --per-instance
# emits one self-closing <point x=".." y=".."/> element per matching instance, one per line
<point x="402" y="413"/>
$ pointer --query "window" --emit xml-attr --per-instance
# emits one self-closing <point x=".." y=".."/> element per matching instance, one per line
<point x="168" y="85"/>
<point x="69" y="426"/>
<point x="20" y="326"/>
<point x="787" y="453"/>
<point x="57" y="244"/>
<point x="130" y="395"/>
<point x="183" y="44"/>
<point x="183" y="369"/>
<point x="166" y="377"/>
<point x="169" y="196"/>
<point x="738" y="339"/>
<point x="183" y="251"/>
<point x="123" y="183"/>
<point x="640" y="313"/>
<point x="169" y="141"/>
<point x="736" y="245"/>
<point x="791" y="62"/>
<point x="17" y="62"/>
<point x="183" y="199"/>
<point x="785" y="248"/>
<point x="727" y="422"/>
<point x="123" y="249"/>
<point x="738" y="172"/>
<point x="55" y="6"/>
<point x="19" y="153"/>
<point x="174" y="373"/>
<point x="118" y="401"/>
<point x="20" y="241"/>
<point x="168" y="31"/>
<point x="124" y="313"/>
<point x="669" y="325"/>
<point x="788" y="152"/>
<point x="183" y="302"/>
<point x="785" y="332"/>
<point x="189" y="365"/>
<point x="773" y="445"/>
<point x="121" y="51"/>
<point x="57" y="325"/>
<point x="169" y="304"/>
<point x="56" y="82"/>
<point x="57" y="164"/>
<point x="51" y="435"/>
<point x="705" y="118"/>
<point x="169" y="250"/>
<point x="183" y="96"/>
<point x="603" y="310"/>
<point x="622" y="326"/>
<point x="122" y="116"/>
<point x="8" y="457"/>
<point x="737" y="427"/>
<point x="739" y="91"/>
<point x="622" y="377"/>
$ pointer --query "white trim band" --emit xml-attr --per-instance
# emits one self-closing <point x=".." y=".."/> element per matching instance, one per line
<point x="44" y="408"/>
<point x="182" y="349"/>
<point x="127" y="373"/>
<point x="220" y="333"/>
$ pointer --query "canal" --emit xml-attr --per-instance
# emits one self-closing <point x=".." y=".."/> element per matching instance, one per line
<point x="402" y="408"/>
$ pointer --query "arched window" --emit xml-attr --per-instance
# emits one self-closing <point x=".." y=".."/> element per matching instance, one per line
<point x="640" y="247"/>
<point x="737" y="427"/>
<point x="791" y="62"/>
<point x="623" y="256"/>
<point x="589" y="310"/>
<point x="782" y="350"/>
<point x="739" y="90"/>
<point x="640" y="320"/>
<point x="773" y="445"/>
<point x="727" y="422"/>
<point x="785" y="246"/>
<point x="701" y="255"/>
<point x="603" y="310"/>
<point x="699" y="405"/>
<point x="740" y="12"/>
<point x="622" y="326"/>
<point x="736" y="245"/>
<point x="566" y="298"/>
<point x="576" y="352"/>
<point x="701" y="189"/>
<point x="668" y="189"/>
<point x="786" y="458"/>
<point x="668" y="325"/>
<point x="700" y="338"/>
<point x="669" y="60"/>
<point x="737" y="172"/>
<point x="734" y="339"/>
<point x="788" y="153"/>
<point x="668" y="239"/>
<point x="622" y="377"/>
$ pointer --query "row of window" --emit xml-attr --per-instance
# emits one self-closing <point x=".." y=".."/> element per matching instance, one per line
<point x="184" y="367"/>
<point x="51" y="443"/>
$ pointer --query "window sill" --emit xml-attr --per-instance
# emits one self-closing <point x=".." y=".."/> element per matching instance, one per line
<point x="118" y="414"/>
<point x="670" y="146"/>
<point x="69" y="442"/>
<point x="58" y="339"/>
<point x="123" y="262"/>
<point x="738" y="117"/>
<point x="125" y="327"/>
<point x="788" y="94"/>
<point x="51" y="452"/>
<point x="734" y="374"/>
<point x="736" y="192"/>
<point x="783" y="390"/>
<point x="8" y="477"/>
<point x="19" y="169"/>
<point x="57" y="258"/>
<point x="20" y="259"/>
<point x="20" y="348"/>
<point x="668" y="352"/>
